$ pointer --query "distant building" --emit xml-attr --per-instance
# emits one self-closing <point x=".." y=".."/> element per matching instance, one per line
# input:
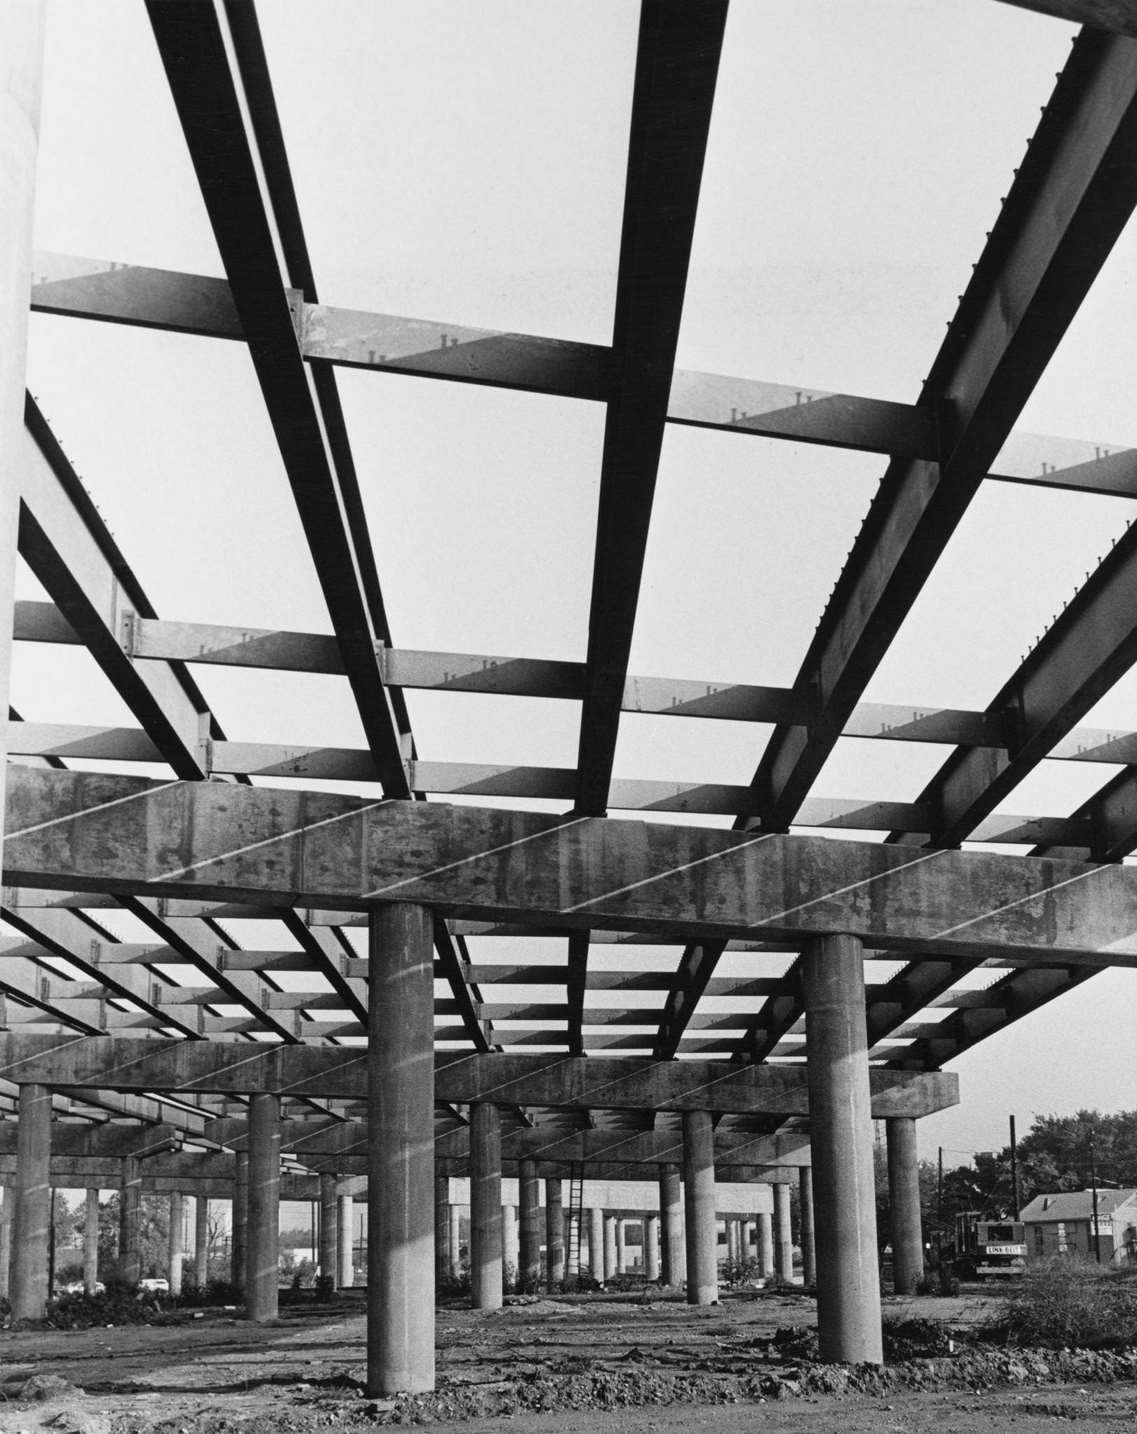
<point x="1062" y="1223"/>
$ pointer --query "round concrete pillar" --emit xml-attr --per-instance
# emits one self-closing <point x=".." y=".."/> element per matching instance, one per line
<point x="621" y="1246"/>
<point x="529" y="1199"/>
<point x="808" y="1251"/>
<point x="510" y="1245"/>
<point x="176" y="1244"/>
<point x="699" y="1190"/>
<point x="766" y="1243"/>
<point x="31" y="1217"/>
<point x="441" y="1228"/>
<point x="21" y="66"/>
<point x="6" y="1200"/>
<point x="239" y="1228"/>
<point x="611" y="1267"/>
<point x="345" y="1236"/>
<point x="201" y="1241"/>
<point x="673" y="1250"/>
<point x="91" y="1241"/>
<point x="596" y="1243"/>
<point x="904" y="1205"/>
<point x="400" y="1193"/>
<point x="783" y="1235"/>
<point x="130" y="1221"/>
<point x="651" y="1246"/>
<point x="262" y="1251"/>
<point x="329" y="1218"/>
<point x="848" y="1282"/>
<point x="485" y="1206"/>
<point x="554" y="1234"/>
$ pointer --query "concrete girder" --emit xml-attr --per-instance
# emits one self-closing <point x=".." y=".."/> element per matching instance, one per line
<point x="118" y="833"/>
<point x="131" y="294"/>
<point x="101" y="1140"/>
<point x="1114" y="15"/>
<point x="602" y="1083"/>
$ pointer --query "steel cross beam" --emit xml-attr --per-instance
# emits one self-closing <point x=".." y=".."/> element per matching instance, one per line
<point x="676" y="68"/>
<point x="120" y="293"/>
<point x="303" y="405"/>
<point x="1071" y="198"/>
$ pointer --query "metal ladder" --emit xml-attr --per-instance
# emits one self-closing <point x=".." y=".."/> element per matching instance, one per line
<point x="575" y="1226"/>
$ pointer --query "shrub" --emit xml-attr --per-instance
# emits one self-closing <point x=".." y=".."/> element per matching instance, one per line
<point x="1064" y="1302"/>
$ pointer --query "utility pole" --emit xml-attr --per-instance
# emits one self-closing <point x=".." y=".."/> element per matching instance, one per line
<point x="1015" y="1198"/>
<point x="1094" y="1189"/>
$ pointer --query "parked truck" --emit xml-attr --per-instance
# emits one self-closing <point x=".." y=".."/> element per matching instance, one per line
<point x="984" y="1249"/>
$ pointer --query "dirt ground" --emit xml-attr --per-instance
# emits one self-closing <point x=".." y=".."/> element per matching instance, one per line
<point x="596" y="1364"/>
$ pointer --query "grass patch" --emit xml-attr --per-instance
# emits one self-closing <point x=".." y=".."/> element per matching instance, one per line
<point x="1067" y="1303"/>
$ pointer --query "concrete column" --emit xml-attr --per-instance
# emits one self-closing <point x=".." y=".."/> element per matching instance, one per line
<point x="848" y="1282"/>
<point x="329" y="1221"/>
<point x="176" y="1242"/>
<point x="456" y="1242"/>
<point x="808" y="1251"/>
<point x="904" y="1204"/>
<point x="239" y="1227"/>
<point x="783" y="1235"/>
<point x="673" y="1252"/>
<point x="529" y="1198"/>
<point x="766" y="1244"/>
<point x="345" y="1235"/>
<point x="596" y="1244"/>
<point x="510" y="1244"/>
<point x="31" y="1218"/>
<point x="21" y="66"/>
<point x="91" y="1241"/>
<point x="201" y="1241"/>
<point x="731" y="1231"/>
<point x="6" y="1201"/>
<point x="485" y="1206"/>
<point x="130" y="1221"/>
<point x="621" y="1246"/>
<point x="554" y="1234"/>
<point x="441" y="1228"/>
<point x="400" y="1219"/>
<point x="262" y="1252"/>
<point x="611" y="1267"/>
<point x="651" y="1246"/>
<point x="699" y="1192"/>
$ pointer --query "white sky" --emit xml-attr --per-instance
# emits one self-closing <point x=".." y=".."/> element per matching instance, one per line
<point x="466" y="162"/>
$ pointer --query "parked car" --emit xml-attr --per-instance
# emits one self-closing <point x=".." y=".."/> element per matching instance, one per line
<point x="154" y="1285"/>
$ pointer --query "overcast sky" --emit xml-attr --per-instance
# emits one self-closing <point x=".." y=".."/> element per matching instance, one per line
<point x="465" y="162"/>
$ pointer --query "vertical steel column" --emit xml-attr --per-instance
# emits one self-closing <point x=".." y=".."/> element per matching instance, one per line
<point x="651" y="1246"/>
<point x="485" y="1206"/>
<point x="239" y="1227"/>
<point x="6" y="1200"/>
<point x="510" y="1246"/>
<point x="783" y="1235"/>
<point x="673" y="1256"/>
<point x="848" y="1283"/>
<point x="31" y="1216"/>
<point x="611" y="1268"/>
<point x="176" y="1242"/>
<point x="904" y="1205"/>
<point x="766" y="1241"/>
<point x="699" y="1192"/>
<point x="130" y="1221"/>
<point x="201" y="1241"/>
<point x="456" y="1241"/>
<point x="596" y="1244"/>
<point x="554" y="1234"/>
<point x="345" y="1231"/>
<point x="529" y="1201"/>
<point x="91" y="1241"/>
<point x="441" y="1228"/>
<point x="21" y="67"/>
<point x="329" y="1222"/>
<point x="400" y="1219"/>
<point x="808" y="1248"/>
<point x="262" y="1270"/>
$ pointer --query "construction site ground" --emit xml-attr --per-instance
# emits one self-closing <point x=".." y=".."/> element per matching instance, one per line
<point x="599" y="1363"/>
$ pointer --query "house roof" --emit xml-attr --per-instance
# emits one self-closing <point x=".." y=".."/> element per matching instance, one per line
<point x="1074" y="1205"/>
